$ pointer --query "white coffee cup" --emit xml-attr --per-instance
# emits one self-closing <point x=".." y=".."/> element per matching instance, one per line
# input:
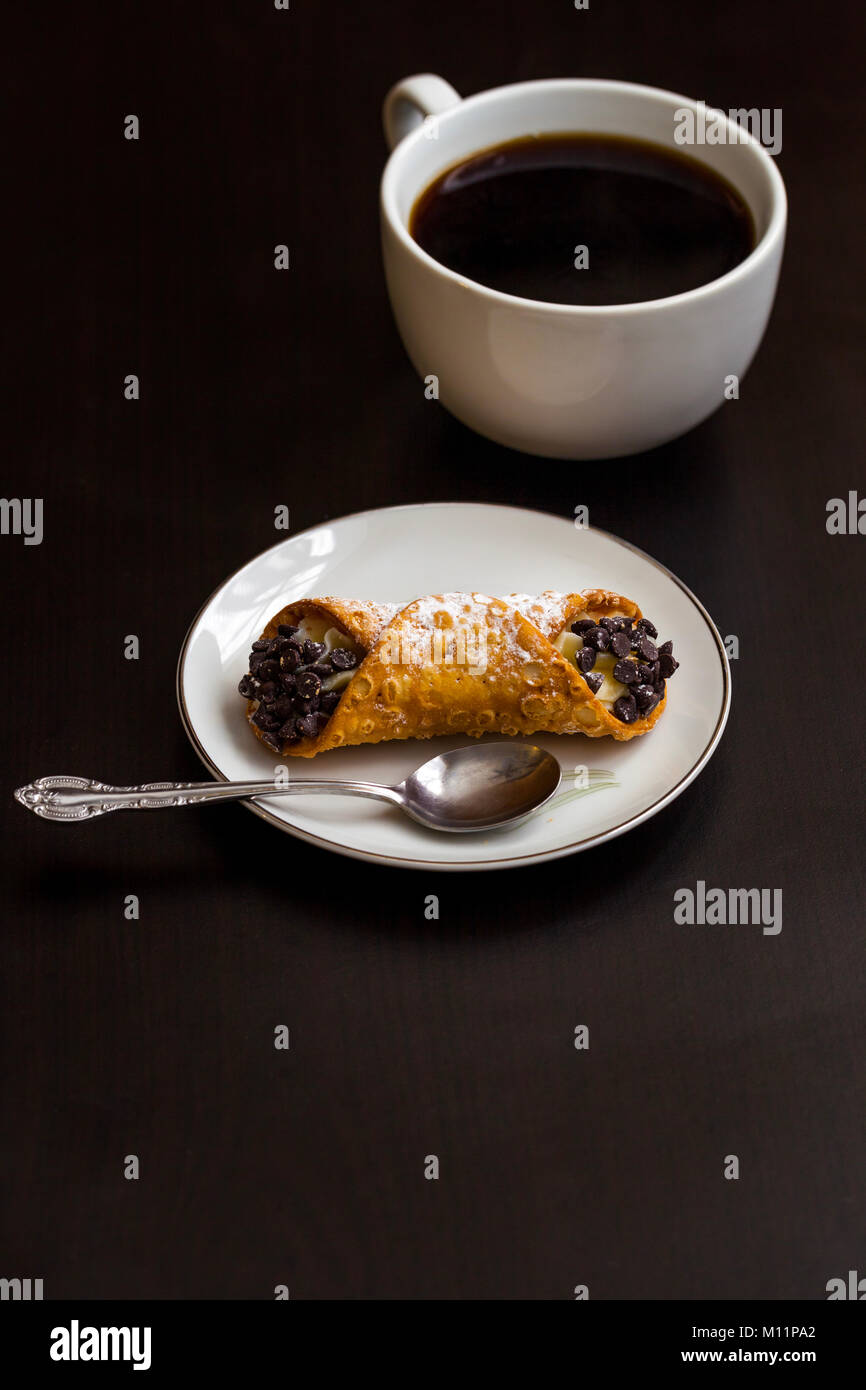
<point x="560" y="380"/>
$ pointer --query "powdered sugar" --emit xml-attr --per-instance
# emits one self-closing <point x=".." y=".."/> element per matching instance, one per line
<point x="546" y="611"/>
<point x="457" y="627"/>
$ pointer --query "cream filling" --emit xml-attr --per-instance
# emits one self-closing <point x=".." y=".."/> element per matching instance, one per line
<point x="569" y="643"/>
<point x="320" y="630"/>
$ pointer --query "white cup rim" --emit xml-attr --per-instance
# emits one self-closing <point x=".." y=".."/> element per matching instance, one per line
<point x="763" y="249"/>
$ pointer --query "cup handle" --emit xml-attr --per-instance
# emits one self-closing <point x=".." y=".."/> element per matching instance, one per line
<point x="411" y="101"/>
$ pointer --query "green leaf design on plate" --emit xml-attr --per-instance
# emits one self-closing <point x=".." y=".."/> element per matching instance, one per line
<point x="600" y="779"/>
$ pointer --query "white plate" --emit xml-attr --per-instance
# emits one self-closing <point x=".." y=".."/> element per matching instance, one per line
<point x="400" y="553"/>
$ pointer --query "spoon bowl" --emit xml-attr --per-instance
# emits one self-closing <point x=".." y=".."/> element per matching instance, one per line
<point x="482" y="787"/>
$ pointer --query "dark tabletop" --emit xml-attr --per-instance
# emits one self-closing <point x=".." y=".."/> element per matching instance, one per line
<point x="409" y="1037"/>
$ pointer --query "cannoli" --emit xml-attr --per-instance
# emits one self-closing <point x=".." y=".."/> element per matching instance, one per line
<point x="332" y="673"/>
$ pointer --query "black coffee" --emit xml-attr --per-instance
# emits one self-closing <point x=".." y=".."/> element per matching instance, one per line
<point x="517" y="218"/>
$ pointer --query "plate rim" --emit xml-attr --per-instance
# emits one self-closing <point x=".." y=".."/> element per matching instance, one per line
<point x="467" y="865"/>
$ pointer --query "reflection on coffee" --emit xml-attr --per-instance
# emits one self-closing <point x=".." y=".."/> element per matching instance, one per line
<point x="584" y="219"/>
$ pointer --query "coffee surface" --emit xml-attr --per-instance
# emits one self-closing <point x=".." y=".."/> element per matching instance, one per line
<point x="653" y="222"/>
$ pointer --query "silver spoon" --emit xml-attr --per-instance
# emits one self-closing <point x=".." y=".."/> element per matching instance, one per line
<point x="481" y="787"/>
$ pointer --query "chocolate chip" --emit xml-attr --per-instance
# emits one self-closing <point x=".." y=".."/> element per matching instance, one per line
<point x="644" y="696"/>
<point x="645" y="714"/>
<point x="666" y="647"/>
<point x="597" y="637"/>
<point x="646" y="626"/>
<point x="626" y="672"/>
<point x="594" y="680"/>
<point x="582" y="625"/>
<point x="625" y="709"/>
<point x="646" y="649"/>
<point x="308" y="685"/>
<point x="286" y="676"/>
<point x="620" y="644"/>
<point x="586" y="658"/>
<point x="646" y="671"/>
<point x="667" y="665"/>
<point x="659" y="688"/>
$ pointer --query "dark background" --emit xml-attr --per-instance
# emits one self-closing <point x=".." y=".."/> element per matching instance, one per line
<point x="409" y="1037"/>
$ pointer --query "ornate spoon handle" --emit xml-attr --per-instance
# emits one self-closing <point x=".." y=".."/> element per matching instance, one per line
<point x="80" y="798"/>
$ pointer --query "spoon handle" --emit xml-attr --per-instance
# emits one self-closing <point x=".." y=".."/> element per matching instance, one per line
<point x="79" y="798"/>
